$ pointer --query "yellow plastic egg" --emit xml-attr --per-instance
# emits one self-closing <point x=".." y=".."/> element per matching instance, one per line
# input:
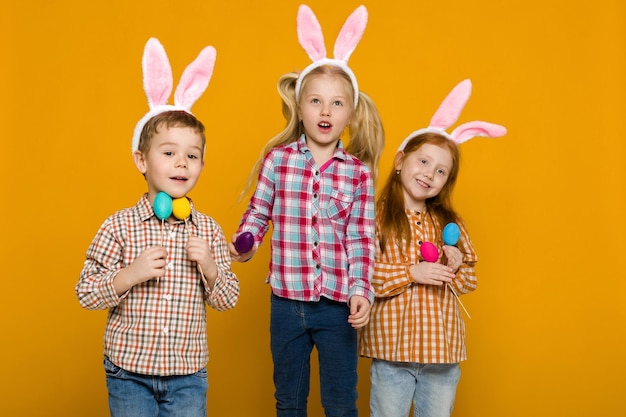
<point x="181" y="208"/>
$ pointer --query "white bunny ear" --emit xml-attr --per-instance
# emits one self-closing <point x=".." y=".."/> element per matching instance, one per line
<point x="468" y="130"/>
<point x="350" y="34"/>
<point x="310" y="33"/>
<point x="195" y="79"/>
<point x="157" y="73"/>
<point x="450" y="109"/>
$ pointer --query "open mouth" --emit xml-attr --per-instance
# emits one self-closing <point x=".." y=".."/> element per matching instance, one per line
<point x="180" y="179"/>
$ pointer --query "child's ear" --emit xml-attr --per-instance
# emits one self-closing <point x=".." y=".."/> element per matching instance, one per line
<point x="140" y="162"/>
<point x="399" y="159"/>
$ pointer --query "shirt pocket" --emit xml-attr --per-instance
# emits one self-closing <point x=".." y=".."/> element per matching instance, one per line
<point x="339" y="206"/>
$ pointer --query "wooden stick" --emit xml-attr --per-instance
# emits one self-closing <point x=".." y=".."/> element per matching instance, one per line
<point x="459" y="300"/>
<point x="199" y="267"/>
<point x="162" y="233"/>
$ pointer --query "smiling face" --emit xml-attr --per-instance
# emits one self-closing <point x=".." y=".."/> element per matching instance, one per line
<point x="173" y="162"/>
<point x="423" y="173"/>
<point x="325" y="109"/>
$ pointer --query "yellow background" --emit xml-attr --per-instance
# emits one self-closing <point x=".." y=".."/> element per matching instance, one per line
<point x="545" y="205"/>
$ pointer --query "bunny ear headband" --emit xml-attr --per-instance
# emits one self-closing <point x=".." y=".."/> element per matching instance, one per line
<point x="158" y="82"/>
<point x="312" y="40"/>
<point x="449" y="112"/>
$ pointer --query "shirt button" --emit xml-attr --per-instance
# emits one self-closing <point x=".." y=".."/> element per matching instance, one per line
<point x="419" y="243"/>
<point x="315" y="243"/>
<point x="170" y="265"/>
<point x="172" y="235"/>
<point x="418" y="223"/>
<point x="317" y="266"/>
<point x="168" y="297"/>
<point x="165" y="330"/>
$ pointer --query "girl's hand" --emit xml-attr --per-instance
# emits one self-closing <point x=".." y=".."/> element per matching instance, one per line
<point x="240" y="257"/>
<point x="199" y="251"/>
<point x="359" y="311"/>
<point x="454" y="256"/>
<point x="430" y="273"/>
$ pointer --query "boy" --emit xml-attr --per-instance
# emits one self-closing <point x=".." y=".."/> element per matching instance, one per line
<point x="155" y="276"/>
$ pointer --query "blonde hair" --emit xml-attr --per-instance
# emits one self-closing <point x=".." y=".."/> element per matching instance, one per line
<point x="366" y="133"/>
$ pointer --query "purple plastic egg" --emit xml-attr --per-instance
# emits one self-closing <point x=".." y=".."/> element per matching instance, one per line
<point x="429" y="252"/>
<point x="244" y="242"/>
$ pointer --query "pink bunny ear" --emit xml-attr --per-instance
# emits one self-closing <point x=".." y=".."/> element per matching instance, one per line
<point x="310" y="33"/>
<point x="450" y="109"/>
<point x="157" y="73"/>
<point x="350" y="34"/>
<point x="468" y="130"/>
<point x="158" y="83"/>
<point x="195" y="78"/>
<point x="448" y="113"/>
<point x="312" y="40"/>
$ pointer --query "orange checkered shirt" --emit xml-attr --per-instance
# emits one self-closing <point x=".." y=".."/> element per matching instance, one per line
<point x="412" y="322"/>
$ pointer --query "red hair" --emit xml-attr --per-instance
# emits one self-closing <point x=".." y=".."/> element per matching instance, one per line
<point x="390" y="204"/>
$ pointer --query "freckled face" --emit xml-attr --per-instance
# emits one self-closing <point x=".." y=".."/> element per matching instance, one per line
<point x="423" y="173"/>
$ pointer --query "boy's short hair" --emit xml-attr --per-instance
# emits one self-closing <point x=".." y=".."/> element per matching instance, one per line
<point x="173" y="118"/>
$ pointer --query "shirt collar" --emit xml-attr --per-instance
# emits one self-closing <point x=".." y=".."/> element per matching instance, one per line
<point x="340" y="152"/>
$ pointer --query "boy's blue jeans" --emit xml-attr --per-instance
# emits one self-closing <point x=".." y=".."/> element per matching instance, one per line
<point x="295" y="328"/>
<point x="430" y="387"/>
<point x="136" y="395"/>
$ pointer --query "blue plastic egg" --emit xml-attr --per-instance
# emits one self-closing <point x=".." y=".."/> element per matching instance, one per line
<point x="162" y="205"/>
<point x="451" y="234"/>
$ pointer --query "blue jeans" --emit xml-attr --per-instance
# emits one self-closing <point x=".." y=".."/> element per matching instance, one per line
<point x="295" y="328"/>
<point x="136" y="395"/>
<point x="430" y="387"/>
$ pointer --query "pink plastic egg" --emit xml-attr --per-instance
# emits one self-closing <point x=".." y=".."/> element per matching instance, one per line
<point x="429" y="252"/>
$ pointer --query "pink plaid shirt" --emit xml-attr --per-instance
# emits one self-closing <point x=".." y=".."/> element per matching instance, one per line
<point x="156" y="328"/>
<point x="323" y="223"/>
<point x="411" y="322"/>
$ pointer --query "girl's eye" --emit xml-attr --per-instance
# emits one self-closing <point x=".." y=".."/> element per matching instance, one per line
<point x="168" y="153"/>
<point x="338" y="103"/>
<point x="423" y="161"/>
<point x="315" y="101"/>
<point x="191" y="156"/>
<point x="441" y="171"/>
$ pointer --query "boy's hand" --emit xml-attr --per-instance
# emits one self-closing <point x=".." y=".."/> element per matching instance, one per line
<point x="148" y="265"/>
<point x="199" y="251"/>
<point x="359" y="311"/>
<point x="240" y="257"/>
